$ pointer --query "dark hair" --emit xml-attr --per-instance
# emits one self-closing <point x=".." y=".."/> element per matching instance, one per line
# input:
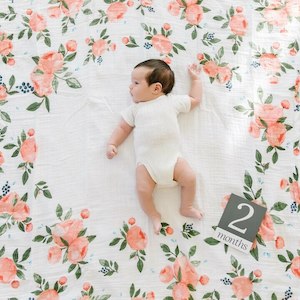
<point x="161" y="72"/>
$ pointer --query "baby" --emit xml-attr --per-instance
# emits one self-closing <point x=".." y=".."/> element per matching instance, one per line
<point x="153" y="117"/>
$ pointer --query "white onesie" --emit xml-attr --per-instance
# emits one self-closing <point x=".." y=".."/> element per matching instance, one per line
<point x="156" y="134"/>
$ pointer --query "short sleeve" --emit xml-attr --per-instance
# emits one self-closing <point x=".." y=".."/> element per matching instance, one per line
<point x="129" y="115"/>
<point x="181" y="103"/>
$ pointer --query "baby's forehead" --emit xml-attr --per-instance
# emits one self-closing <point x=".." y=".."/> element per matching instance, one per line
<point x="140" y="72"/>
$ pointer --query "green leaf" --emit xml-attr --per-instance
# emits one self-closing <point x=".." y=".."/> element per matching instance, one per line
<point x="5" y="116"/>
<point x="211" y="241"/>
<point x="70" y="57"/>
<point x="276" y="219"/>
<point x="34" y="106"/>
<point x="73" y="83"/>
<point x="282" y="258"/>
<point x="275" y="157"/>
<point x="59" y="211"/>
<point x="26" y="254"/>
<point x="258" y="156"/>
<point x="192" y="251"/>
<point x="248" y="180"/>
<point x="140" y="265"/>
<point x="47" y="194"/>
<point x="279" y="206"/>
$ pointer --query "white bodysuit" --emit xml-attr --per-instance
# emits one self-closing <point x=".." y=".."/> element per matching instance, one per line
<point x="157" y="135"/>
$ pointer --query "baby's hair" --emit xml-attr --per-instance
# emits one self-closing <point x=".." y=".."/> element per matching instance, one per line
<point x="161" y="72"/>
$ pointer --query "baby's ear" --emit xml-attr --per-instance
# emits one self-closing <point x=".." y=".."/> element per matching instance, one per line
<point x="157" y="87"/>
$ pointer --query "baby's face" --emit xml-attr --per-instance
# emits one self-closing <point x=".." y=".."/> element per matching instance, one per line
<point x="139" y="88"/>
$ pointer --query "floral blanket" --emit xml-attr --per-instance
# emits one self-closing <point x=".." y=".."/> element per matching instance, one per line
<point x="70" y="223"/>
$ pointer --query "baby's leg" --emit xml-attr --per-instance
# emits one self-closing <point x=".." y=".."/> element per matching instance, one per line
<point x="145" y="186"/>
<point x="186" y="178"/>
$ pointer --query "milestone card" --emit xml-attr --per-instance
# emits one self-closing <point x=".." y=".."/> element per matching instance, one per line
<point x="239" y="223"/>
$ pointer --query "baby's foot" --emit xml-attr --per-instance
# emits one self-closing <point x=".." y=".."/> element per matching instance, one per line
<point x="156" y="221"/>
<point x="192" y="212"/>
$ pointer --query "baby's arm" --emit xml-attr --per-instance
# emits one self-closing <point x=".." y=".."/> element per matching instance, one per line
<point x="118" y="136"/>
<point x="196" y="86"/>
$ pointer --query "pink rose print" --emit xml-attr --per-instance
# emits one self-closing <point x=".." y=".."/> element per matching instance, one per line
<point x="180" y="292"/>
<point x="72" y="7"/>
<point x="194" y="14"/>
<point x="271" y="120"/>
<point x="293" y="262"/>
<point x="237" y="23"/>
<point x="276" y="134"/>
<point x="21" y="211"/>
<point x="275" y="15"/>
<point x="136" y="238"/>
<point x="11" y="268"/>
<point x="166" y="274"/>
<point x="70" y="241"/>
<point x="44" y="77"/>
<point x="71" y="45"/>
<point x="17" y="211"/>
<point x="45" y="292"/>
<point x="254" y="130"/>
<point x="6" y="45"/>
<point x="99" y="47"/>
<point x="42" y="82"/>
<point x="54" y="12"/>
<point x="224" y="74"/>
<point x="191" y="10"/>
<point x="293" y="8"/>
<point x="266" y="229"/>
<point x="242" y="287"/>
<point x="161" y="41"/>
<point x="2" y="160"/>
<point x="279" y="243"/>
<point x="188" y="272"/>
<point x="295" y="267"/>
<point x="174" y="8"/>
<point x="295" y="191"/>
<point x="182" y="272"/>
<point x="162" y="44"/>
<point x="51" y="62"/>
<point x="54" y="254"/>
<point x="8" y="270"/>
<point x="135" y="294"/>
<point x="28" y="150"/>
<point x="37" y="22"/>
<point x="78" y="250"/>
<point x="270" y="62"/>
<point x="211" y="69"/>
<point x="3" y="93"/>
<point x="293" y="188"/>
<point x="67" y="230"/>
<point x="296" y="89"/>
<point x="218" y="70"/>
<point x="116" y="11"/>
<point x="88" y="293"/>
<point x="48" y="295"/>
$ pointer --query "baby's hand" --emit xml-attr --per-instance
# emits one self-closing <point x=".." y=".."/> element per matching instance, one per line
<point x="111" y="151"/>
<point x="194" y="71"/>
